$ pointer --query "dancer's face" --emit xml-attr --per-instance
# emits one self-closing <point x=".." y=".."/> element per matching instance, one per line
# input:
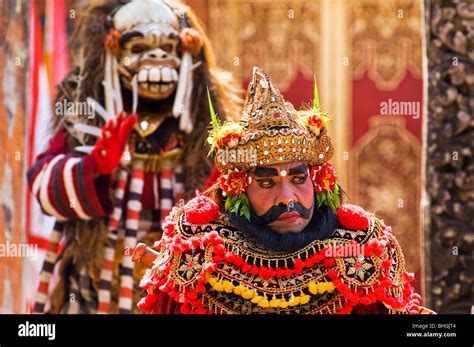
<point x="282" y="195"/>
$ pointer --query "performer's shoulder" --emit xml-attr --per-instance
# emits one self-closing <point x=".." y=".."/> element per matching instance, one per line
<point x="198" y="215"/>
<point x="357" y="224"/>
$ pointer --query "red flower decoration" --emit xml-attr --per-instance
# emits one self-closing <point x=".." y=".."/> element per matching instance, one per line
<point x="234" y="183"/>
<point x="324" y="177"/>
<point x="352" y="217"/>
<point x="315" y="121"/>
<point x="201" y="210"/>
<point x="229" y="140"/>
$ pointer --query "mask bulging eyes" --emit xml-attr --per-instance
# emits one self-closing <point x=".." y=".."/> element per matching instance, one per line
<point x="167" y="47"/>
<point x="139" y="48"/>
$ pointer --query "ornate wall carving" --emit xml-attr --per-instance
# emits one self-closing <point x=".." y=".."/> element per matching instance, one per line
<point x="283" y="37"/>
<point x="449" y="165"/>
<point x="386" y="38"/>
<point x="385" y="171"/>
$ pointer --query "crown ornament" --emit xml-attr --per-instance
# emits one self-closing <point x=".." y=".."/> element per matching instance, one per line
<point x="270" y="129"/>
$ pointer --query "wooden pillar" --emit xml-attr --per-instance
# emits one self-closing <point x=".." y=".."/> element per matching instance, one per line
<point x="449" y="168"/>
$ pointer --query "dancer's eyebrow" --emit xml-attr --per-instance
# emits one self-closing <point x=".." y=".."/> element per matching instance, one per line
<point x="300" y="169"/>
<point x="262" y="171"/>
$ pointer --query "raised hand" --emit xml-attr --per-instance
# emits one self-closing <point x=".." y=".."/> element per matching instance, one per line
<point x="111" y="145"/>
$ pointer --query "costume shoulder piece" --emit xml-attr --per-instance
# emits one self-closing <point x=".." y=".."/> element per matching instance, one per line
<point x="208" y="266"/>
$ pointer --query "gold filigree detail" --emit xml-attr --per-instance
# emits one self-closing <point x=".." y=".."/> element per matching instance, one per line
<point x="258" y="31"/>
<point x="386" y="37"/>
<point x="156" y="162"/>
<point x="386" y="172"/>
<point x="147" y="124"/>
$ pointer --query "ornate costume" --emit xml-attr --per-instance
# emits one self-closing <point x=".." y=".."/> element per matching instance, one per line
<point x="110" y="181"/>
<point x="206" y="264"/>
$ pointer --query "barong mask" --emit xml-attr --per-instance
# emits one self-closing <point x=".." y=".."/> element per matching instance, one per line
<point x="152" y="51"/>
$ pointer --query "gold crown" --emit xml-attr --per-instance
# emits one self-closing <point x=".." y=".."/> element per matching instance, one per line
<point x="270" y="131"/>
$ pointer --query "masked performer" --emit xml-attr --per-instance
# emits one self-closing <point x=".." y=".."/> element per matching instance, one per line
<point x="111" y="179"/>
<point x="271" y="235"/>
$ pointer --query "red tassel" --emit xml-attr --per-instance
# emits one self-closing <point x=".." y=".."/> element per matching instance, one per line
<point x="220" y="250"/>
<point x="217" y="258"/>
<point x="229" y="257"/>
<point x="200" y="288"/>
<point x="386" y="263"/>
<point x="333" y="275"/>
<point x="185" y="309"/>
<point x="246" y="267"/>
<point x="329" y="263"/>
<point x="254" y="270"/>
<point x="409" y="276"/>
<point x="191" y="295"/>
<point x="238" y="260"/>
<point x="298" y="265"/>
<point x="209" y="267"/>
<point x="200" y="310"/>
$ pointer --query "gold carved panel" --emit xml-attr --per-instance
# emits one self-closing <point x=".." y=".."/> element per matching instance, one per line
<point x="386" y="180"/>
<point x="386" y="41"/>
<point x="282" y="37"/>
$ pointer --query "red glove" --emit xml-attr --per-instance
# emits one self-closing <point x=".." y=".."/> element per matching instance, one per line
<point x="109" y="148"/>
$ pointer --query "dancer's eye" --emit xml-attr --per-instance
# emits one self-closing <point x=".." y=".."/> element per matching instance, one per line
<point x="266" y="183"/>
<point x="299" y="179"/>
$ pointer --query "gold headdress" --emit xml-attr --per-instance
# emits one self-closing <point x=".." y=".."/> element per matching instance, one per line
<point x="270" y="132"/>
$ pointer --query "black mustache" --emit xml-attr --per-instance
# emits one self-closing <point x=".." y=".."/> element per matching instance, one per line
<point x="321" y="226"/>
<point x="276" y="211"/>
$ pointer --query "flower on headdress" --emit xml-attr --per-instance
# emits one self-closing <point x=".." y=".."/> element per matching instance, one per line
<point x="191" y="40"/>
<point x="234" y="183"/>
<point x="325" y="185"/>
<point x="314" y="121"/>
<point x="323" y="177"/>
<point x="112" y="41"/>
<point x="227" y="135"/>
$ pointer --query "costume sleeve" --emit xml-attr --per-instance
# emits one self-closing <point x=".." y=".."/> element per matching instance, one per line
<point x="65" y="186"/>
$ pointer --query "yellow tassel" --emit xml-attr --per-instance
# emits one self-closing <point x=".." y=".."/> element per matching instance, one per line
<point x="212" y="281"/>
<point x="218" y="287"/>
<point x="330" y="287"/>
<point x="239" y="289"/>
<point x="304" y="299"/>
<point x="227" y="286"/>
<point x="264" y="303"/>
<point x="274" y="302"/>
<point x="248" y="294"/>
<point x="257" y="299"/>
<point x="321" y="288"/>
<point x="294" y="301"/>
<point x="283" y="303"/>
<point x="313" y="288"/>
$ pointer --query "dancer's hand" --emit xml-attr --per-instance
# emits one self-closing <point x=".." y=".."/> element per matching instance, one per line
<point x="109" y="148"/>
